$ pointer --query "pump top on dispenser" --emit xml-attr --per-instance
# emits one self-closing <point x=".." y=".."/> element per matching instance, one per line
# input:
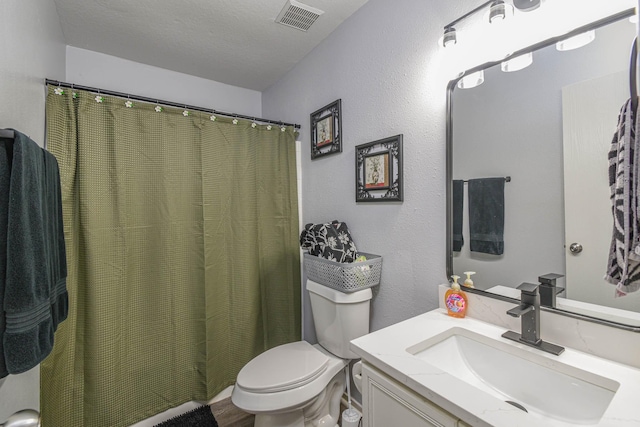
<point x="468" y="283"/>
<point x="455" y="300"/>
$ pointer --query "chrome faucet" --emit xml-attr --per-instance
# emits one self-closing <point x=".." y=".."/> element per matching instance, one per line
<point x="529" y="313"/>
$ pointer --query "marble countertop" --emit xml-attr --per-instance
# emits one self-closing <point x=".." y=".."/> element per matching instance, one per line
<point x="386" y="350"/>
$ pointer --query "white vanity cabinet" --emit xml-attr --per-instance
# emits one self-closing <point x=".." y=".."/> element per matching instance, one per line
<point x="386" y="402"/>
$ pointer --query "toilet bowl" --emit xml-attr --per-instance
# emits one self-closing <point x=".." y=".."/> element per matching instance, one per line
<point x="299" y="384"/>
<point x="286" y="380"/>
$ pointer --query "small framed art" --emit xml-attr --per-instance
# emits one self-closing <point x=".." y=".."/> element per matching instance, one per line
<point x="379" y="170"/>
<point x="326" y="130"/>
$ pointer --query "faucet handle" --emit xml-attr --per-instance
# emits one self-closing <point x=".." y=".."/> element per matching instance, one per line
<point x="528" y="288"/>
<point x="549" y="279"/>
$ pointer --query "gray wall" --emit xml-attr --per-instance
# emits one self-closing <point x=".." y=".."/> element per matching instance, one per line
<point x="385" y="65"/>
<point x="102" y="71"/>
<point x="32" y="49"/>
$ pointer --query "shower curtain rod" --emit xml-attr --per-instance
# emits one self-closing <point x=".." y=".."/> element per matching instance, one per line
<point x="167" y="103"/>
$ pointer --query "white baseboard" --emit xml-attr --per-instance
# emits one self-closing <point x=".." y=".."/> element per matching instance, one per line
<point x="222" y="395"/>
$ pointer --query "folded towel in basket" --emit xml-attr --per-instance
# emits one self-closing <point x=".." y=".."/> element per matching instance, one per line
<point x="330" y="240"/>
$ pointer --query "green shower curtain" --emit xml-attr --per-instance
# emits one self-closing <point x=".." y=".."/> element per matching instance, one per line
<point x="182" y="246"/>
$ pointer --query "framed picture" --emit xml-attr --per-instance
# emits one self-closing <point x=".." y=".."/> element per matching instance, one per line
<point x="379" y="170"/>
<point x="376" y="171"/>
<point x="326" y="130"/>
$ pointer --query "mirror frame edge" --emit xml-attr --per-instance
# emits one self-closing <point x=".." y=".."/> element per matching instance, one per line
<point x="449" y="166"/>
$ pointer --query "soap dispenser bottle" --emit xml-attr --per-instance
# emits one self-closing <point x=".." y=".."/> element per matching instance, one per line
<point x="455" y="300"/>
<point x="468" y="283"/>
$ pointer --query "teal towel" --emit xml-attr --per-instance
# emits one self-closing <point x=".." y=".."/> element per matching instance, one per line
<point x="486" y="215"/>
<point x="457" y="205"/>
<point x="34" y="284"/>
<point x="6" y="154"/>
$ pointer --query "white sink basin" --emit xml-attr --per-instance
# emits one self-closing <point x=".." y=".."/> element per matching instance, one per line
<point x="543" y="386"/>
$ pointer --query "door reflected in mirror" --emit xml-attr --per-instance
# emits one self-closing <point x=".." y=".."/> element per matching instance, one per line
<point x="549" y="127"/>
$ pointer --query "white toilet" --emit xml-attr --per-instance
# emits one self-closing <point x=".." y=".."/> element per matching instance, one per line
<point x="299" y="384"/>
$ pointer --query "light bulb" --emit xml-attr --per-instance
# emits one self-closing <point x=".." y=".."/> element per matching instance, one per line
<point x="450" y="37"/>
<point x="517" y="63"/>
<point x="471" y="80"/>
<point x="576" y="42"/>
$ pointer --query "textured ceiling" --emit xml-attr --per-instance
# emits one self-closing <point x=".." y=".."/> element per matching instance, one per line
<point x="230" y="41"/>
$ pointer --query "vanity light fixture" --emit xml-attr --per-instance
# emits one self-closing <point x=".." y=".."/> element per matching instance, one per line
<point x="496" y="11"/>
<point x="517" y="63"/>
<point x="576" y="42"/>
<point x="471" y="80"/>
<point x="526" y="5"/>
<point x="449" y="38"/>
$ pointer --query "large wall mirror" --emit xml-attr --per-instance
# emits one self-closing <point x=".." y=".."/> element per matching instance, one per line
<point x="549" y="128"/>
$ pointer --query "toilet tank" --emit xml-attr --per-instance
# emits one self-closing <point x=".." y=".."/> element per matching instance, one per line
<point x="339" y="317"/>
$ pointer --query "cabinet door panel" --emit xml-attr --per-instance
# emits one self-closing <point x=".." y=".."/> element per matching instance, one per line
<point x="388" y="403"/>
<point x="389" y="410"/>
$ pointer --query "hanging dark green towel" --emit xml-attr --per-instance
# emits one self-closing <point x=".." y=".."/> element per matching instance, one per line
<point x="486" y="215"/>
<point x="457" y="208"/>
<point x="34" y="284"/>
<point x="6" y="154"/>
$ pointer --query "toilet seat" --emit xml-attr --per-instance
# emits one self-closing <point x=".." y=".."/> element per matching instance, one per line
<point x="283" y="368"/>
<point x="297" y="395"/>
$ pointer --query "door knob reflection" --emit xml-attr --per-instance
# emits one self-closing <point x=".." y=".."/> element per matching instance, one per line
<point x="575" y="248"/>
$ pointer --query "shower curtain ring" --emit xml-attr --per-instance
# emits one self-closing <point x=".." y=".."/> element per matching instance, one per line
<point x="99" y="98"/>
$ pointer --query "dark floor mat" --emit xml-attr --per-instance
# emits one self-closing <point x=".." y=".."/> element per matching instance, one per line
<point x="199" y="417"/>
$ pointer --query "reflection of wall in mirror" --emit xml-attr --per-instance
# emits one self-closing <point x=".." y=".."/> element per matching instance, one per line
<point x="512" y="125"/>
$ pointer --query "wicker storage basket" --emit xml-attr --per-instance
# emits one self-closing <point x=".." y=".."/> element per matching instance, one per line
<point x="345" y="277"/>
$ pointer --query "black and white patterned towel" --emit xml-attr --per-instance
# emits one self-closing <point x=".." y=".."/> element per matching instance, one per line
<point x="330" y="240"/>
<point x="623" y="269"/>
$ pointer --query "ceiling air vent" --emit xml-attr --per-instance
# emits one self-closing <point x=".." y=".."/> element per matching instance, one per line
<point x="297" y="15"/>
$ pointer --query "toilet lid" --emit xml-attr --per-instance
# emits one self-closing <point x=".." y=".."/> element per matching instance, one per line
<point x="283" y="368"/>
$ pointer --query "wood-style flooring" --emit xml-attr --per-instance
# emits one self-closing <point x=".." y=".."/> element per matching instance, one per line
<point x="228" y="415"/>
